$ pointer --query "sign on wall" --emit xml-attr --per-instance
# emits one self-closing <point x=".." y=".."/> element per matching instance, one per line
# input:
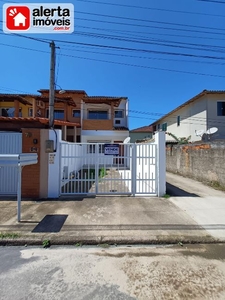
<point x="111" y="149"/>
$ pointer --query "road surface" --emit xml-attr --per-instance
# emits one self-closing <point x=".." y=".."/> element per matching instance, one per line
<point x="116" y="273"/>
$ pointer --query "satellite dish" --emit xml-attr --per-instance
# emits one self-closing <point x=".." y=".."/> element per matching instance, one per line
<point x="212" y="130"/>
<point x="127" y="140"/>
<point x="62" y="92"/>
<point x="199" y="132"/>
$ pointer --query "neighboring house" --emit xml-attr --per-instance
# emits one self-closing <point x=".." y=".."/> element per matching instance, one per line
<point x="141" y="133"/>
<point x="82" y="118"/>
<point x="204" y="111"/>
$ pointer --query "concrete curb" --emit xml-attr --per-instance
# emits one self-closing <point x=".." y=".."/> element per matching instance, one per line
<point x="160" y="240"/>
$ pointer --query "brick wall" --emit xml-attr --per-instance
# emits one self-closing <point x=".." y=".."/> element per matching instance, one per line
<point x="31" y="174"/>
<point x="97" y="125"/>
<point x="203" y="162"/>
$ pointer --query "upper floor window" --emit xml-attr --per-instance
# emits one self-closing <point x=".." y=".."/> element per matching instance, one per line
<point x="98" y="114"/>
<point x="9" y="112"/>
<point x="76" y="113"/>
<point x="164" y="127"/>
<point x="221" y="108"/>
<point x="178" y="120"/>
<point x="30" y="112"/>
<point x="58" y="114"/>
<point x="119" y="114"/>
<point x="158" y="127"/>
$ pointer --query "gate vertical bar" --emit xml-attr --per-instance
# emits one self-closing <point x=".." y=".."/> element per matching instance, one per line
<point x="96" y="167"/>
<point x="134" y="169"/>
<point x="19" y="194"/>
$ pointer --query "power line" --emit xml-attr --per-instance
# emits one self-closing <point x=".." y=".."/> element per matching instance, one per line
<point x="150" y="8"/>
<point x="143" y="50"/>
<point x="158" y="42"/>
<point x="124" y="64"/>
<point x="212" y="1"/>
<point x="142" y="57"/>
<point x="146" y="67"/>
<point x="149" y="33"/>
<point x="148" y="21"/>
<point x="149" y="26"/>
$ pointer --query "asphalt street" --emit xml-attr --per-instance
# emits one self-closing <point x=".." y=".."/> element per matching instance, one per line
<point x="115" y="273"/>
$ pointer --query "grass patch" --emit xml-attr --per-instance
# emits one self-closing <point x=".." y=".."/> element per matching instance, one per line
<point x="9" y="235"/>
<point x="90" y="174"/>
<point x="216" y="185"/>
<point x="46" y="243"/>
<point x="166" y="196"/>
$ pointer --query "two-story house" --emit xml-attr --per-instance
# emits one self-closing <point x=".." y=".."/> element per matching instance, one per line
<point x="200" y="113"/>
<point x="82" y="118"/>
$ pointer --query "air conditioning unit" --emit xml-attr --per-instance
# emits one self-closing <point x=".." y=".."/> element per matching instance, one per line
<point x="40" y="104"/>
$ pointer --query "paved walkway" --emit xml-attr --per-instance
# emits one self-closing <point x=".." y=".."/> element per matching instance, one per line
<point x="203" y="204"/>
<point x="112" y="182"/>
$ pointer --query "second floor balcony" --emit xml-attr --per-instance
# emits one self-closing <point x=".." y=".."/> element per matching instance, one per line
<point x="97" y="120"/>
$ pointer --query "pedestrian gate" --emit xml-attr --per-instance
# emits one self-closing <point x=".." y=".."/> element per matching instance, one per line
<point x="10" y="143"/>
<point x="108" y="169"/>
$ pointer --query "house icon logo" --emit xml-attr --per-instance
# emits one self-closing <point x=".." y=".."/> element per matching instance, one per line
<point x="18" y="18"/>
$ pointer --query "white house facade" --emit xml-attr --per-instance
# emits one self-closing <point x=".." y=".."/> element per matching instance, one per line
<point x="200" y="113"/>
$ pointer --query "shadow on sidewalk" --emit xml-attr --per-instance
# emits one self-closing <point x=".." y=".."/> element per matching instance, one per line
<point x="50" y="223"/>
<point x="174" y="191"/>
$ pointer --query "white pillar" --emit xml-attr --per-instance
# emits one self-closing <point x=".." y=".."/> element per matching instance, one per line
<point x="160" y="142"/>
<point x="19" y="183"/>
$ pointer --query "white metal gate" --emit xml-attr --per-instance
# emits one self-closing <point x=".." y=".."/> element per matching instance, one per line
<point x="10" y="143"/>
<point x="87" y="168"/>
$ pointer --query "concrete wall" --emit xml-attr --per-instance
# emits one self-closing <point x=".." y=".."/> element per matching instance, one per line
<point x="203" y="162"/>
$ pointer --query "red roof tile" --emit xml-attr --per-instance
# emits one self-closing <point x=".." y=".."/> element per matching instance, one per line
<point x="143" y="129"/>
<point x="40" y="120"/>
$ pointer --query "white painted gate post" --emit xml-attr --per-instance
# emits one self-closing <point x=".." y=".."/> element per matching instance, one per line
<point x="134" y="169"/>
<point x="160" y="142"/>
<point x="19" y="193"/>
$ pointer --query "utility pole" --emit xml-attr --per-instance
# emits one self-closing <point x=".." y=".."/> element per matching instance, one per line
<point x="52" y="86"/>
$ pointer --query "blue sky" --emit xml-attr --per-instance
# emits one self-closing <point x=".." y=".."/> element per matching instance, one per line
<point x="176" y="49"/>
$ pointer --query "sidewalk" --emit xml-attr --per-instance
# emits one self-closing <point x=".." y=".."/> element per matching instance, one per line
<point x="202" y="203"/>
<point x="120" y="220"/>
